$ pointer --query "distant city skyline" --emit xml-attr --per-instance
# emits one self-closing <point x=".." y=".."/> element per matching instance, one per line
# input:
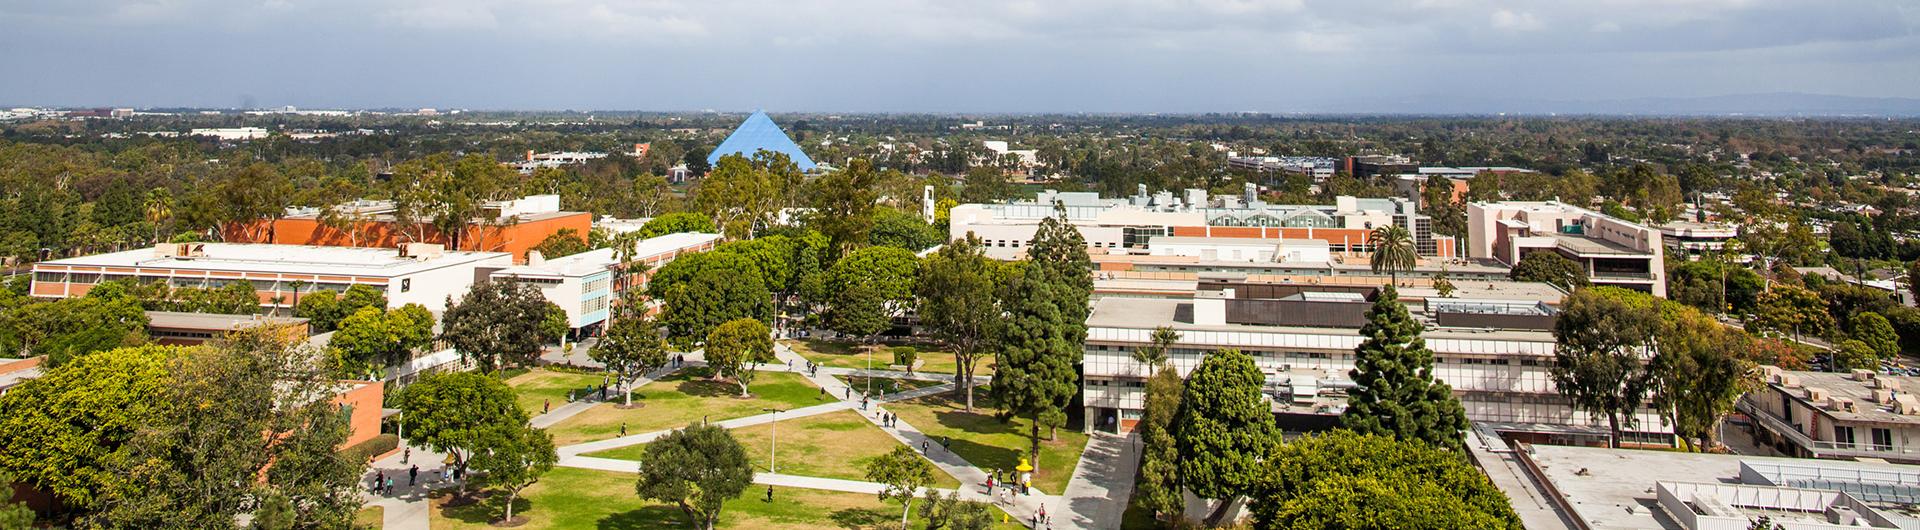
<point x="1011" y="56"/>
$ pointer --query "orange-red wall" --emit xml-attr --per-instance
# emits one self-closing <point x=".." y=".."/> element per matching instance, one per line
<point x="516" y="238"/>
<point x="365" y="400"/>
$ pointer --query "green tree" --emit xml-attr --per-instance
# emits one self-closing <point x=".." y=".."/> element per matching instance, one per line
<point x="563" y="242"/>
<point x="698" y="468"/>
<point x="735" y="350"/>
<point x="372" y="338"/>
<point x="1877" y="333"/>
<point x="859" y="310"/>
<point x="1158" y="487"/>
<point x="1223" y="428"/>
<point x="1393" y="251"/>
<point x="1699" y="372"/>
<point x="631" y="346"/>
<point x="324" y="309"/>
<point x="1342" y="479"/>
<point x="703" y="290"/>
<point x="497" y="323"/>
<point x="70" y="328"/>
<point x="454" y="413"/>
<point x="740" y="195"/>
<point x="61" y="432"/>
<point x="894" y="228"/>
<point x="1155" y="353"/>
<point x="512" y="457"/>
<point x="889" y="271"/>
<point x="553" y="324"/>
<point x="842" y="205"/>
<point x="1604" y="336"/>
<point x="1851" y="354"/>
<point x="1792" y="311"/>
<point x="1549" y="267"/>
<point x="949" y="512"/>
<point x="675" y="223"/>
<point x="959" y="290"/>
<point x="1395" y="393"/>
<point x="1045" y="329"/>
<point x="903" y="473"/>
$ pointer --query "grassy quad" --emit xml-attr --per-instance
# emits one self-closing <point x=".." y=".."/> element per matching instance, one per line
<point x="536" y="387"/>
<point x="850" y="355"/>
<point x="684" y="398"/>
<point x="580" y="499"/>
<point x="370" y="517"/>
<point x="988" y="443"/>
<point x="888" y="385"/>
<point x="834" y="445"/>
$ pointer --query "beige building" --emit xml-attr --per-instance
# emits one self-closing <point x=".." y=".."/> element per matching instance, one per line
<point x="1832" y="415"/>
<point x="1611" y="250"/>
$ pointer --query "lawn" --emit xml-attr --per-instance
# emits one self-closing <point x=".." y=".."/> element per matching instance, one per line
<point x="370" y="517"/>
<point x="579" y="499"/>
<point x="539" y="386"/>
<point x="888" y="385"/>
<point x="990" y="444"/>
<point x="850" y="355"/>
<point x="833" y="445"/>
<point x="684" y="398"/>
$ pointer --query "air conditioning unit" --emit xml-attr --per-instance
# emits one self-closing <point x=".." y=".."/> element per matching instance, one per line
<point x="1790" y="380"/>
<point x="1886" y="383"/>
<point x="1860" y="374"/>
<point x="1840" y="404"/>
<point x="1883" y="396"/>
<point x="1816" y="395"/>
<point x="421" y="250"/>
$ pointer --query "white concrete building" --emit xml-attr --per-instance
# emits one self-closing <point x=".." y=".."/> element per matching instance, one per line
<point x="1691" y="240"/>
<point x="236" y="134"/>
<point x="1239" y="249"/>
<point x="1831" y="415"/>
<point x="416" y="273"/>
<point x="583" y="284"/>
<point x="1611" y="250"/>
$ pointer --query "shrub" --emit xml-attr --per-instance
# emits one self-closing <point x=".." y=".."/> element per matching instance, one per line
<point x="374" y="447"/>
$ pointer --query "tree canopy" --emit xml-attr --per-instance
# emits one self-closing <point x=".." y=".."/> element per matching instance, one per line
<point x="1342" y="479"/>
<point x="1223" y="429"/>
<point x="1395" y="393"/>
<point x="497" y="324"/>
<point x="698" y="469"/>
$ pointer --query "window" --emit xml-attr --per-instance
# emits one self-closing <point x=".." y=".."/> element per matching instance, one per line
<point x="1882" y="439"/>
<point x="1843" y="436"/>
<point x="49" y="277"/>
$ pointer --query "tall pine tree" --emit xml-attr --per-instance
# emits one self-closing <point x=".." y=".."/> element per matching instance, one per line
<point x="1158" y="490"/>
<point x="1223" y="429"/>
<point x="1035" y="375"/>
<point x="1394" y="391"/>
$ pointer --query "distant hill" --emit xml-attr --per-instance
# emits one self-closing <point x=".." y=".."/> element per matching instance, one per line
<point x="1774" y="104"/>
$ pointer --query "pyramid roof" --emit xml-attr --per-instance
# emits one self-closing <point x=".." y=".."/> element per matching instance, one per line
<point x="756" y="134"/>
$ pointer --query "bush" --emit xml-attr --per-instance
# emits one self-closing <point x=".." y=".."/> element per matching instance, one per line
<point x="374" y="447"/>
<point x="905" y="355"/>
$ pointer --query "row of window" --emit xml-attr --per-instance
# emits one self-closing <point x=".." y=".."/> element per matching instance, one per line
<point x="1345" y="356"/>
<point x="87" y="278"/>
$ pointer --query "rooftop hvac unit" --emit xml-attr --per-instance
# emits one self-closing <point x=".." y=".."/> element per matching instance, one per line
<point x="1842" y="515"/>
<point x="1816" y="395"/>
<point x="1840" y="404"/>
<point x="1790" y="380"/>
<point x="1886" y="383"/>
<point x="1860" y="374"/>
<point x="1883" y="396"/>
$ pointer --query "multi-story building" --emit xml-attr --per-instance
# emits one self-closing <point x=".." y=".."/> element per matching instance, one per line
<point x="584" y="284"/>
<point x="1127" y="226"/>
<point x="1692" y="240"/>
<point x="1611" y="250"/>
<point x="416" y="273"/>
<point x="1832" y="415"/>
<point x="513" y="226"/>
<point x="1495" y="352"/>
<point x="188" y="329"/>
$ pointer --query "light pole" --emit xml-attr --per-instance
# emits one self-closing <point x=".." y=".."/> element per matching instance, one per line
<point x="773" y="448"/>
<point x="869" y="370"/>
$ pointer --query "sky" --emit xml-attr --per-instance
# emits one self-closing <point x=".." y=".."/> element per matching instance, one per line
<point x="942" y="55"/>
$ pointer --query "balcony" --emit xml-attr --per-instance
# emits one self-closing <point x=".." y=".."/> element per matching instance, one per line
<point x="1820" y="448"/>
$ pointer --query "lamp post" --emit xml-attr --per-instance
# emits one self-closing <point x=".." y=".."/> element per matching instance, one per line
<point x="773" y="448"/>
<point x="869" y="370"/>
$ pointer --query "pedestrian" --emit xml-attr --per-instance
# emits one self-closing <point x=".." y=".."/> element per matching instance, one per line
<point x="769" y="493"/>
<point x="546" y="406"/>
<point x="413" y="475"/>
<point x="404" y="457"/>
<point x="946" y="442"/>
<point x="377" y="476"/>
<point x="603" y="392"/>
<point x="623" y="428"/>
<point x="389" y="485"/>
<point x="923" y="446"/>
<point x="789" y="364"/>
<point x="849" y="393"/>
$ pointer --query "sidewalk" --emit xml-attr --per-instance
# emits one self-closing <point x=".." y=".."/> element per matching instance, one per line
<point x="406" y="508"/>
<point x="570" y="409"/>
<point x="1096" y="497"/>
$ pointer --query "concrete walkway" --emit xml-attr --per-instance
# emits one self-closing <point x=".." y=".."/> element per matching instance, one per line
<point x="406" y="508"/>
<point x="570" y="409"/>
<point x="1102" y="483"/>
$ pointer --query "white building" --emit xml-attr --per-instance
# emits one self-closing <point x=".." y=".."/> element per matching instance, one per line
<point x="1027" y="157"/>
<point x="583" y="284"/>
<point x="1611" y="250"/>
<point x="236" y="134"/>
<point x="1833" y="415"/>
<point x="1692" y="240"/>
<point x="416" y="273"/>
<point x="1241" y="249"/>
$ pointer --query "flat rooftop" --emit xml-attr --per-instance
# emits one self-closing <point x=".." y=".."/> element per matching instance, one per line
<point x="179" y="320"/>
<point x="655" y="246"/>
<point x="1584" y="244"/>
<point x="292" y="259"/>
<point x="1613" y="489"/>
<point x="1842" y="385"/>
<point x="1149" y="313"/>
<point x="1241" y="241"/>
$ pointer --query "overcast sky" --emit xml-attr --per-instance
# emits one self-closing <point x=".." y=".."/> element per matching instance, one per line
<point x="942" y="55"/>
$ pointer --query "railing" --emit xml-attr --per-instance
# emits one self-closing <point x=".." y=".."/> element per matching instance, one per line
<point x="1622" y="275"/>
<point x="1821" y="448"/>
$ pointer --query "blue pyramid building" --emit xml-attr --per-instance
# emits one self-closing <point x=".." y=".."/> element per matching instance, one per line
<point x="760" y="133"/>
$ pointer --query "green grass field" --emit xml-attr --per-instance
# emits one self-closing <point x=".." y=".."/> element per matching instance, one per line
<point x="990" y="444"/>
<point x="834" y="445"/>
<point x="887" y="385"/>
<point x="850" y="355"/>
<point x="539" y="386"/>
<point x="579" y="499"/>
<point x="684" y="398"/>
<point x="372" y="517"/>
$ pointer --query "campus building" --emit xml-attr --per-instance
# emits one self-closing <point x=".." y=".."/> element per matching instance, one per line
<point x="1692" y="239"/>
<point x="759" y="133"/>
<point x="1611" y="250"/>
<point x="1492" y="343"/>
<point x="191" y="329"/>
<point x="511" y="226"/>
<point x="584" y="284"/>
<point x="1832" y="415"/>
<point x="1131" y="225"/>
<point x="416" y="273"/>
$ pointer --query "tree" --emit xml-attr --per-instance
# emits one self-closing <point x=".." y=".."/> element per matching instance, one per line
<point x="740" y="195"/>
<point x="1155" y="354"/>
<point x="325" y="309"/>
<point x="1158" y="487"/>
<point x="706" y="289"/>
<point x="632" y="345"/>
<point x="70" y="328"/>
<point x="1604" y="336"/>
<point x="675" y="223"/>
<point x="735" y="349"/>
<point x="512" y="457"/>
<point x="1549" y="267"/>
<point x="948" y="512"/>
<point x="1874" y="331"/>
<point x="843" y="204"/>
<point x="1223" y="428"/>
<point x="372" y="337"/>
<point x="497" y="323"/>
<point x="61" y="432"/>
<point x="1045" y="327"/>
<point x="1699" y="372"/>
<point x="454" y="413"/>
<point x="237" y="422"/>
<point x="698" y="469"/>
<point x="1342" y="479"/>
<point x="859" y="310"/>
<point x="959" y="290"/>
<point x="1443" y="285"/>
<point x="1851" y="354"/>
<point x="553" y="324"/>
<point x="1913" y="278"/>
<point x="564" y="242"/>
<point x="1393" y="251"/>
<point x="903" y="473"/>
<point x="894" y="228"/>
<point x="1793" y="311"/>
<point x="1395" y="393"/>
<point x="889" y="271"/>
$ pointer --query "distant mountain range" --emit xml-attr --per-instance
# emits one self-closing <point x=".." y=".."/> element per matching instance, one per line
<point x="1773" y="104"/>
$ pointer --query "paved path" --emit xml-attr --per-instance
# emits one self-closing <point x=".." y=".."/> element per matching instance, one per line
<point x="1102" y="483"/>
<point x="570" y="409"/>
<point x="406" y="508"/>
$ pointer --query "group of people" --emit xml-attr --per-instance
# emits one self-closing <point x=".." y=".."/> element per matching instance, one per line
<point x="383" y="484"/>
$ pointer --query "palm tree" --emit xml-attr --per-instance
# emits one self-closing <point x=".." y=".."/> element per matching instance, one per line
<point x="159" y="208"/>
<point x="1156" y="354"/>
<point x="1392" y="250"/>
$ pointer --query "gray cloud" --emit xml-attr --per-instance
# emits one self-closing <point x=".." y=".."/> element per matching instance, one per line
<point x="941" y="55"/>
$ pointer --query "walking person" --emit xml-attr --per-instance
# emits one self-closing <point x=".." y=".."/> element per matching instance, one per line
<point x="389" y="485"/>
<point x="546" y="406"/>
<point x="623" y="429"/>
<point x="413" y="475"/>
